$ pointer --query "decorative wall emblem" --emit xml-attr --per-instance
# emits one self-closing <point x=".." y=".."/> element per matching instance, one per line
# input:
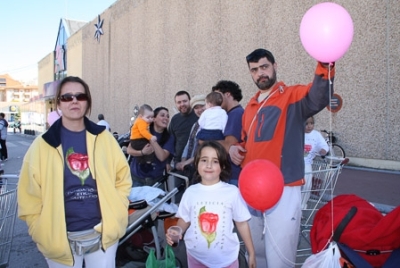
<point x="99" y="30"/>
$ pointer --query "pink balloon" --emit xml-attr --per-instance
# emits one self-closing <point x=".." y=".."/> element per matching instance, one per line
<point x="53" y="116"/>
<point x="326" y="32"/>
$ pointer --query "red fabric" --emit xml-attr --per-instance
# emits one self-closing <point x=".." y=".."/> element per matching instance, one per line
<point x="368" y="229"/>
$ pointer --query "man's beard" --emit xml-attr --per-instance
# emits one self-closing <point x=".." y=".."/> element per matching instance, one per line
<point x="268" y="83"/>
<point x="184" y="110"/>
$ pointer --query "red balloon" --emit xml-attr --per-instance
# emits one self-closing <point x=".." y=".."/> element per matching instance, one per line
<point x="261" y="184"/>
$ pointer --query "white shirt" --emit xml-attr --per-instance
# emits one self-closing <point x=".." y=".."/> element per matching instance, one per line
<point x="213" y="118"/>
<point x="313" y="143"/>
<point x="104" y="123"/>
<point x="211" y="210"/>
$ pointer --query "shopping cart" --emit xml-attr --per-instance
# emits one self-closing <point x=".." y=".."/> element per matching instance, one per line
<point x="8" y="210"/>
<point x="325" y="173"/>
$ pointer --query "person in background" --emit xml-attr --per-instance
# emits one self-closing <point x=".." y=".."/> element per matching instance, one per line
<point x="74" y="186"/>
<point x="103" y="122"/>
<point x="186" y="166"/>
<point x="314" y="144"/>
<point x="273" y="129"/>
<point x="147" y="174"/>
<point x="210" y="209"/>
<point x="181" y="123"/>
<point x="140" y="134"/>
<point x="213" y="120"/>
<point x="17" y="125"/>
<point x="3" y="137"/>
<point x="232" y="95"/>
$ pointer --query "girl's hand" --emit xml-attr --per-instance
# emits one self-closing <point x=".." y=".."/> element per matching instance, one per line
<point x="252" y="261"/>
<point x="169" y="240"/>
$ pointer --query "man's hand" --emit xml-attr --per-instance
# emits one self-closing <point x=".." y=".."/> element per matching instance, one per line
<point x="180" y="166"/>
<point x="236" y="153"/>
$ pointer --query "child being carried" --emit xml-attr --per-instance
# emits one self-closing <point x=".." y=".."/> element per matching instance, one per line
<point x="140" y="134"/>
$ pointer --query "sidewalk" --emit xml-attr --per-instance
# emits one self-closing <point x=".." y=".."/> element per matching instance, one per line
<point x="377" y="186"/>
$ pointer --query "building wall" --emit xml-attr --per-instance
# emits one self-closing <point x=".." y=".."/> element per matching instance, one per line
<point x="46" y="71"/>
<point x="74" y="54"/>
<point x="151" y="49"/>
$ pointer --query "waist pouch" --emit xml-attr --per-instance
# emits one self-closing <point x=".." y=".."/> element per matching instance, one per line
<point x="84" y="242"/>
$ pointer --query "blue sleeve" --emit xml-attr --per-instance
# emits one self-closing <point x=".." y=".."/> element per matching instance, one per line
<point x="234" y="125"/>
<point x="169" y="145"/>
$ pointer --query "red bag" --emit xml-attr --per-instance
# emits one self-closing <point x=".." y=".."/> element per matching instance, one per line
<point x="368" y="231"/>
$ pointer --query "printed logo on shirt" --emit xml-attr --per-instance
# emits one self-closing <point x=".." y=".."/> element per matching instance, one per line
<point x="78" y="164"/>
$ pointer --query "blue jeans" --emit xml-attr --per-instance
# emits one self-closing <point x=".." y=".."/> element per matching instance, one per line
<point x="210" y="134"/>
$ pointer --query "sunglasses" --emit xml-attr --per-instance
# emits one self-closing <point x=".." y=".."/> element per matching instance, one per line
<point x="69" y="97"/>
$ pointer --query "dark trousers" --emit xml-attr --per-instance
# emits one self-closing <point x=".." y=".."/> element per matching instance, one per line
<point x="4" y="154"/>
<point x="139" y="144"/>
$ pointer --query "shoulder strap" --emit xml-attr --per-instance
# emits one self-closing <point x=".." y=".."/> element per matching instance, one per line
<point x="342" y="225"/>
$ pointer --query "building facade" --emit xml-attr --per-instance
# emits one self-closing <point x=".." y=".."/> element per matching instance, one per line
<point x="144" y="51"/>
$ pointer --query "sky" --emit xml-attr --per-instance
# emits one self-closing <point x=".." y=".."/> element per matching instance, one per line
<point x="29" y="28"/>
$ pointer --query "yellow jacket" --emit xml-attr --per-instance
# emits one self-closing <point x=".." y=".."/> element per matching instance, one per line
<point x="41" y="190"/>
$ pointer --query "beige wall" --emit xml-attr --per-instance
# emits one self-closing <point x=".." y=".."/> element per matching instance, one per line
<point x="74" y="54"/>
<point x="46" y="71"/>
<point x="151" y="49"/>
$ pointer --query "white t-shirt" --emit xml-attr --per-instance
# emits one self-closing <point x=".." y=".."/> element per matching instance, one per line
<point x="213" y="118"/>
<point x="104" y="123"/>
<point x="211" y="210"/>
<point x="313" y="143"/>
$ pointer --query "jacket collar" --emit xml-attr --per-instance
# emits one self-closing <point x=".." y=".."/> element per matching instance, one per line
<point x="53" y="135"/>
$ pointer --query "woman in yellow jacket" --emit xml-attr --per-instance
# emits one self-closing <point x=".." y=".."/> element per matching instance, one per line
<point x="74" y="186"/>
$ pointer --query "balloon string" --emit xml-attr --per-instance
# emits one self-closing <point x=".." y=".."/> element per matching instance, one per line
<point x="265" y="221"/>
<point x="330" y="129"/>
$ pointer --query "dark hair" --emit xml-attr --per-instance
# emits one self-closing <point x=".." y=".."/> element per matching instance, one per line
<point x="215" y="98"/>
<point x="222" y="158"/>
<point x="2" y="115"/>
<point x="224" y="86"/>
<point x="100" y="117"/>
<point x="145" y="107"/>
<point x="75" y="79"/>
<point x="165" y="135"/>
<point x="182" y="92"/>
<point x="257" y="54"/>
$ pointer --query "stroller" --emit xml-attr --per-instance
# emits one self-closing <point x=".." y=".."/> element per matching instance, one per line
<point x="144" y="228"/>
<point x="366" y="238"/>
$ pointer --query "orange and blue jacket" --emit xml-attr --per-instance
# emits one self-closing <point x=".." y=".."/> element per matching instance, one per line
<point x="273" y="129"/>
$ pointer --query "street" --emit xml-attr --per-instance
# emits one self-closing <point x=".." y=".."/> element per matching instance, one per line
<point x="24" y="252"/>
<point x="375" y="186"/>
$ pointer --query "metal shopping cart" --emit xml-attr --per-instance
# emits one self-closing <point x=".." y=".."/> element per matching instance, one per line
<point x="325" y="173"/>
<point x="8" y="210"/>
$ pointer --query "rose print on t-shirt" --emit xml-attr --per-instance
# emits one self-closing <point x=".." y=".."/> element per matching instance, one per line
<point x="78" y="164"/>
<point x="208" y="225"/>
<point x="307" y="149"/>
